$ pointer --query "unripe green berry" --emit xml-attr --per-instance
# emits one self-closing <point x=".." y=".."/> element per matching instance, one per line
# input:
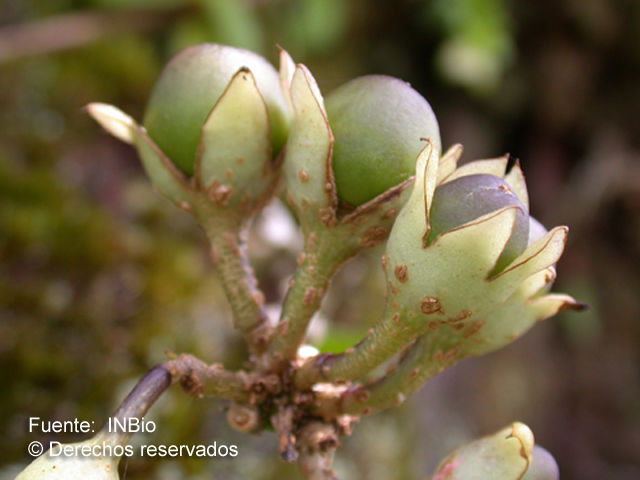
<point x="467" y="198"/>
<point x="378" y="123"/>
<point x="189" y="87"/>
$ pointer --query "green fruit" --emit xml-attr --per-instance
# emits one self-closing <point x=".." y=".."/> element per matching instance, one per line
<point x="189" y="87"/>
<point x="467" y="198"/>
<point x="378" y="123"/>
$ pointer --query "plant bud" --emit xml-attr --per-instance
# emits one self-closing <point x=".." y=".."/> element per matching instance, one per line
<point x="505" y="455"/>
<point x="460" y="260"/>
<point x="88" y="460"/>
<point x="190" y="86"/>
<point x="378" y="123"/>
<point x="467" y="198"/>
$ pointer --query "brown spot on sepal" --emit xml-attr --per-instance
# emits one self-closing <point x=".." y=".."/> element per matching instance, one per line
<point x="402" y="273"/>
<point x="447" y="356"/>
<point x="303" y="175"/>
<point x="431" y="305"/>
<point x="473" y="328"/>
<point x="462" y="315"/>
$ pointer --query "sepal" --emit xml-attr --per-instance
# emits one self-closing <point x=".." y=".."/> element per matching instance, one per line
<point x="491" y="166"/>
<point x="311" y="188"/>
<point x="449" y="161"/>
<point x="233" y="162"/>
<point x="93" y="464"/>
<point x="161" y="171"/>
<point x="515" y="179"/>
<point x="505" y="455"/>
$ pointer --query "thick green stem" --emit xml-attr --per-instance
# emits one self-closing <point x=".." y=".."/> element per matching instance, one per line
<point x="425" y="359"/>
<point x="229" y="252"/>
<point x="322" y="256"/>
<point x="327" y="247"/>
<point x="390" y="335"/>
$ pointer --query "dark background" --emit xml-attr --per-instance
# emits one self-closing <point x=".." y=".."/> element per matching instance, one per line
<point x="99" y="275"/>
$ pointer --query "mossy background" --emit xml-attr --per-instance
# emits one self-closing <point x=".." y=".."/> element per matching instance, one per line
<point x="99" y="275"/>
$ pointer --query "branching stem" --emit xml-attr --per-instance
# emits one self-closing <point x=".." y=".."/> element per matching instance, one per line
<point x="389" y="336"/>
<point x="229" y="252"/>
<point x="200" y="379"/>
<point x="424" y="360"/>
<point x="321" y="258"/>
<point x="195" y="376"/>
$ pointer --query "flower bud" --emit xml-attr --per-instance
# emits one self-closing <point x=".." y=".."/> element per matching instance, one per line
<point x="460" y="263"/>
<point x="505" y="455"/>
<point x="92" y="459"/>
<point x="189" y="87"/>
<point x="378" y="123"/>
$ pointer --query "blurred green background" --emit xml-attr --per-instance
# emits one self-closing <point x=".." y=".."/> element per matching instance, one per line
<point x="99" y="275"/>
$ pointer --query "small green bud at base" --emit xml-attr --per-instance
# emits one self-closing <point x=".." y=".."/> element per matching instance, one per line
<point x="467" y="198"/>
<point x="88" y="460"/>
<point x="504" y="455"/>
<point x="189" y="87"/>
<point x="378" y="123"/>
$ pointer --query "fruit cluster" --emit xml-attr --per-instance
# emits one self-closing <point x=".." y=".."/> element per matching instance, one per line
<point x="468" y="269"/>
